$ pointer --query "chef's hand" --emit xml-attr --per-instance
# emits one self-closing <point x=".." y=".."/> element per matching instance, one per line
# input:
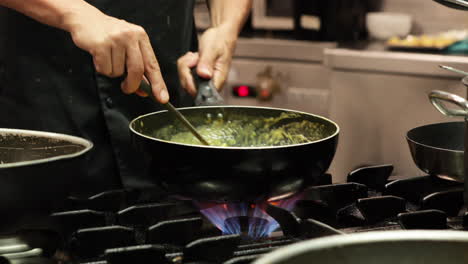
<point x="118" y="46"/>
<point x="216" y="47"/>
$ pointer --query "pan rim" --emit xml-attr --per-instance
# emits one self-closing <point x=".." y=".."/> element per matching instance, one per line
<point x="281" y="255"/>
<point x="88" y="145"/>
<point x="432" y="147"/>
<point x="236" y="148"/>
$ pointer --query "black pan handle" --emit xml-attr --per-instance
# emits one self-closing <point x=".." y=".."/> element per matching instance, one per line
<point x="207" y="94"/>
<point x="438" y="98"/>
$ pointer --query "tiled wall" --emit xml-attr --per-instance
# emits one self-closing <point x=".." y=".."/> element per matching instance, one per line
<point x="428" y="16"/>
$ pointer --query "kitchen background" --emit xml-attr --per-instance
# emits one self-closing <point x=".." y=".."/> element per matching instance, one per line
<point x="375" y="93"/>
<point x="428" y="16"/>
<point x="366" y="64"/>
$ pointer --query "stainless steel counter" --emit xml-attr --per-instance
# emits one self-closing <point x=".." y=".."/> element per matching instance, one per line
<point x="375" y="60"/>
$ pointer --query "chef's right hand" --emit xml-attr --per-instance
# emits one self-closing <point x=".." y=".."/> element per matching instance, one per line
<point x="118" y="46"/>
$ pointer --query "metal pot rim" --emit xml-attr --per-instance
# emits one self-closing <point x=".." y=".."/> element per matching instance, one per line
<point x="283" y="254"/>
<point x="73" y="139"/>
<point x="234" y="148"/>
<point x="432" y="147"/>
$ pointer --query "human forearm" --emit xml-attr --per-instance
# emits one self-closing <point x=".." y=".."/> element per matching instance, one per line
<point x="216" y="44"/>
<point x="56" y="13"/>
<point x="116" y="46"/>
<point x="230" y="14"/>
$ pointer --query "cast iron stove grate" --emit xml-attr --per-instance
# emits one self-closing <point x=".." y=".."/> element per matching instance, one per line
<point x="132" y="226"/>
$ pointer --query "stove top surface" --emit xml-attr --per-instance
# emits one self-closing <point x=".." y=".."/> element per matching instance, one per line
<point x="131" y="226"/>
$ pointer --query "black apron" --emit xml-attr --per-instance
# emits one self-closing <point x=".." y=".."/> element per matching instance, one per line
<point x="48" y="84"/>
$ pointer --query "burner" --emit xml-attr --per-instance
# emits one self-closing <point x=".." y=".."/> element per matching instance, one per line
<point x="241" y="218"/>
<point x="123" y="226"/>
<point x="254" y="219"/>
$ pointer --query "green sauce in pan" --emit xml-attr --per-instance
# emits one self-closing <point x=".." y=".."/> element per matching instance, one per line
<point x="239" y="131"/>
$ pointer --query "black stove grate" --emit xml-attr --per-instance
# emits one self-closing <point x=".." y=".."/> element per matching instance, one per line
<point x="132" y="226"/>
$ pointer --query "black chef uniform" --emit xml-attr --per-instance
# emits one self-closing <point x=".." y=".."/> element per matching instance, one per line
<point x="48" y="84"/>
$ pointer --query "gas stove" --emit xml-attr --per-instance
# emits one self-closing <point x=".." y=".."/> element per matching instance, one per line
<point x="136" y="226"/>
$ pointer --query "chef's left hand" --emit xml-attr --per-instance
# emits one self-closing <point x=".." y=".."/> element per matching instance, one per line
<point x="216" y="47"/>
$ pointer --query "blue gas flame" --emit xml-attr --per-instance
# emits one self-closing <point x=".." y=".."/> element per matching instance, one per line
<point x="219" y="213"/>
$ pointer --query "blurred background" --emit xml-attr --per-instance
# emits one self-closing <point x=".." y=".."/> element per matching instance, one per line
<point x="366" y="64"/>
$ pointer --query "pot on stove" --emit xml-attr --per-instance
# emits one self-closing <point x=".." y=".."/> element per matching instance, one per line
<point x="38" y="170"/>
<point x="438" y="149"/>
<point x="229" y="174"/>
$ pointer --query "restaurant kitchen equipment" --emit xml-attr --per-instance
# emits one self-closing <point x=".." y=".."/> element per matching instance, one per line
<point x="148" y="225"/>
<point x="37" y="170"/>
<point x="136" y="225"/>
<point x="438" y="149"/>
<point x="439" y="96"/>
<point x="213" y="173"/>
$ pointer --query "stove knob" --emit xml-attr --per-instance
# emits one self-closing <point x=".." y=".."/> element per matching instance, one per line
<point x="267" y="85"/>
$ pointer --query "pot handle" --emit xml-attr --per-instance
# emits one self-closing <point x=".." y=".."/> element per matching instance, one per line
<point x="438" y="98"/>
<point x="207" y="94"/>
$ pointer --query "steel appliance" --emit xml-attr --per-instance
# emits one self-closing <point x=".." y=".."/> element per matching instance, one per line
<point x="141" y="225"/>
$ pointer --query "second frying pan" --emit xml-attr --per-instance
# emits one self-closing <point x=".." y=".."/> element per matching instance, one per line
<point x="438" y="149"/>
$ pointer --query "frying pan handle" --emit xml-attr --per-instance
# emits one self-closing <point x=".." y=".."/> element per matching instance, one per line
<point x="207" y="94"/>
<point x="438" y="98"/>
